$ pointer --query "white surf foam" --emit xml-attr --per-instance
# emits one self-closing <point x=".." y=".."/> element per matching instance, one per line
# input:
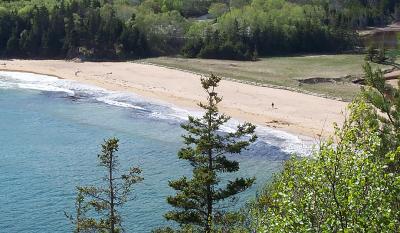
<point x="71" y="88"/>
<point x="288" y="143"/>
<point x="42" y="83"/>
<point x="5" y="85"/>
<point x="119" y="100"/>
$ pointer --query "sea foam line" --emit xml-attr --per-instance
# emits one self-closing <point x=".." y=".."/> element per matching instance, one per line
<point x="288" y="143"/>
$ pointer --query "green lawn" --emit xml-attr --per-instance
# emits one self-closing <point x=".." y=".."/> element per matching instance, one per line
<point x="281" y="71"/>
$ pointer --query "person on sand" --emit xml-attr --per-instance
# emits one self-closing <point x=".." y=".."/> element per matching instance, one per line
<point x="273" y="105"/>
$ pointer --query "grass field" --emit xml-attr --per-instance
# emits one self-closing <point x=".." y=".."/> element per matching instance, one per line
<point x="282" y="71"/>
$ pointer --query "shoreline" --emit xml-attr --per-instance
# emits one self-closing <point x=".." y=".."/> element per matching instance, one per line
<point x="296" y="113"/>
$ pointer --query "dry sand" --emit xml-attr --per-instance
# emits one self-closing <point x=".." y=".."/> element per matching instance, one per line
<point x="296" y="113"/>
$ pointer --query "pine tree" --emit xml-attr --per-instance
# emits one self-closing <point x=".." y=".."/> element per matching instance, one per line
<point x="380" y="56"/>
<point x="207" y="148"/>
<point x="385" y="99"/>
<point x="383" y="96"/>
<point x="80" y="220"/>
<point x="106" y="200"/>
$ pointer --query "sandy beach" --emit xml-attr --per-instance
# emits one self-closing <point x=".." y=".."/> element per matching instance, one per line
<point x="294" y="112"/>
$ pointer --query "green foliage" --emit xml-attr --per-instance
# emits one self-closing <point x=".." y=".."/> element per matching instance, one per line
<point x="267" y="28"/>
<point x="242" y="30"/>
<point x="187" y="8"/>
<point x="352" y="184"/>
<point x="345" y="187"/>
<point x="81" y="222"/>
<point x="238" y="3"/>
<point x="360" y="13"/>
<point x="386" y="99"/>
<point x="217" y="9"/>
<point x="75" y="28"/>
<point x="105" y="200"/>
<point x="382" y="56"/>
<point x="193" y="8"/>
<point x="165" y="31"/>
<point x="207" y="148"/>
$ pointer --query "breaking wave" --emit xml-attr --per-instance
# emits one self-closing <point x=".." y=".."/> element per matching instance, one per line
<point x="288" y="143"/>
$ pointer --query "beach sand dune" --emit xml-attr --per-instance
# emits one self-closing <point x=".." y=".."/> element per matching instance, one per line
<point x="293" y="112"/>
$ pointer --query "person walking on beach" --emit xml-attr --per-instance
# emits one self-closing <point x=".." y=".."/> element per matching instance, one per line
<point x="273" y="105"/>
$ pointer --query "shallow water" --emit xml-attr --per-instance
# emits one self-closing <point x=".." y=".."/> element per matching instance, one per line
<point x="50" y="131"/>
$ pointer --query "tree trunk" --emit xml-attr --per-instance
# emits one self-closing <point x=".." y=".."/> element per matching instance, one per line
<point x="112" y="216"/>
<point x="210" y="168"/>
<point x="209" y="197"/>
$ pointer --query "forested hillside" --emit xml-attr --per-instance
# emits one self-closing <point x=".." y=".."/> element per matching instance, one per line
<point x="231" y="29"/>
<point x="363" y="13"/>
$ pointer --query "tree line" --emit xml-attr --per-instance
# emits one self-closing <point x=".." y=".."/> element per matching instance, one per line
<point x="69" y="29"/>
<point x="231" y="29"/>
<point x="265" y="28"/>
<point x="350" y="184"/>
<point x="359" y="14"/>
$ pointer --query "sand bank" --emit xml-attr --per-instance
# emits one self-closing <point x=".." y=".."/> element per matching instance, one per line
<point x="293" y="112"/>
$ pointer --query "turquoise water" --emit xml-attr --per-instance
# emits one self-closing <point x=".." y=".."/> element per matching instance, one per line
<point x="50" y="131"/>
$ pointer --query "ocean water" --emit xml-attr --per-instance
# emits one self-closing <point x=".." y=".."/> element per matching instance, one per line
<point x="50" y="132"/>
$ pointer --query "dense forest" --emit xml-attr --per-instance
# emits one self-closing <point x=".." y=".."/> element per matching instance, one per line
<point x="232" y="29"/>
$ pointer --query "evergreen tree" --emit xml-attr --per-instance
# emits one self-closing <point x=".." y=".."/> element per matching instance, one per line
<point x="107" y="199"/>
<point x="81" y="222"/>
<point x="207" y="148"/>
<point x="344" y="187"/>
<point x="12" y="44"/>
<point x="349" y="178"/>
<point x="380" y="56"/>
<point x="386" y="99"/>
